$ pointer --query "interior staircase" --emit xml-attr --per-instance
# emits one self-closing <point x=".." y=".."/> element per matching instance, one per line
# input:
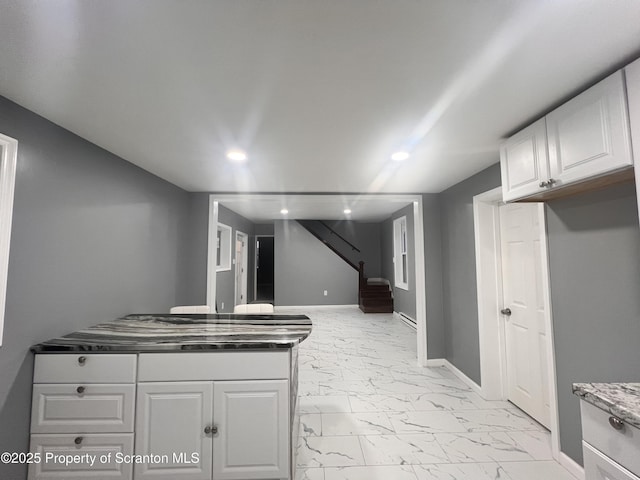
<point x="376" y="296"/>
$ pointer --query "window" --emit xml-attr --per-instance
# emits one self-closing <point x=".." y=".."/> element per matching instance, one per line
<point x="400" y="253"/>
<point x="223" y="251"/>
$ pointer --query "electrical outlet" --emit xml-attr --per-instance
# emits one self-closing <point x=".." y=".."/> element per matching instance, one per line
<point x="222" y="306"/>
<point x="325" y="293"/>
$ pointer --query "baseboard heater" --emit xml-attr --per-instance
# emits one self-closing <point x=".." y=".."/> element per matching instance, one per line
<point x="408" y="320"/>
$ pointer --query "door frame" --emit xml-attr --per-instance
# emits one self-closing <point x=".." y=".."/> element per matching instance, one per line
<point x="491" y="324"/>
<point x="255" y="263"/>
<point x="245" y="262"/>
<point x="8" y="160"/>
<point x="420" y="275"/>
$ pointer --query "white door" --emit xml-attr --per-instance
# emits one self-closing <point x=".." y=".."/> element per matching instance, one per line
<point x="252" y="420"/>
<point x="242" y="256"/>
<point x="524" y="280"/>
<point x="171" y="419"/>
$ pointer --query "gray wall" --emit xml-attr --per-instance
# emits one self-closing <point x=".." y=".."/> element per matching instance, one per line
<point x="594" y="259"/>
<point x="226" y="281"/>
<point x="433" y="274"/>
<point x="93" y="238"/>
<point x="305" y="267"/>
<point x="196" y="281"/>
<point x="363" y="235"/>
<point x="404" y="301"/>
<point x="460" y="307"/>
<point x="263" y="229"/>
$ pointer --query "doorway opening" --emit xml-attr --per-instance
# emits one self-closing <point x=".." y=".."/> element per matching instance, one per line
<point x="503" y="282"/>
<point x="242" y="257"/>
<point x="264" y="292"/>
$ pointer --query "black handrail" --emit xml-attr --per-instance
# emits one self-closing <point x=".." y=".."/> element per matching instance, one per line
<point x="334" y="250"/>
<point x="333" y="232"/>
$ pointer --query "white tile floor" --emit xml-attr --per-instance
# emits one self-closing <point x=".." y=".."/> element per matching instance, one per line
<point x="368" y="412"/>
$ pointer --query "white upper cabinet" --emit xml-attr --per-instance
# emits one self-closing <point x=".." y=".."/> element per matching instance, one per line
<point x="632" y="72"/>
<point x="589" y="135"/>
<point x="524" y="162"/>
<point x="585" y="138"/>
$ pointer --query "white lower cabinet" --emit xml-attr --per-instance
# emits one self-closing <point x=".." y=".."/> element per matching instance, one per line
<point x="220" y="430"/>
<point x="598" y="466"/>
<point x="178" y="416"/>
<point x="610" y="445"/>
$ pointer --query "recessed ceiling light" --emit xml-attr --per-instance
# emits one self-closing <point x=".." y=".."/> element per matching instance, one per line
<point x="399" y="156"/>
<point x="284" y="211"/>
<point x="237" y="155"/>
<point x="347" y="211"/>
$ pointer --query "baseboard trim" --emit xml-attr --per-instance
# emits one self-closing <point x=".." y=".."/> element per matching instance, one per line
<point x="436" y="362"/>
<point x="443" y="362"/>
<point x="571" y="466"/>
<point x="406" y="319"/>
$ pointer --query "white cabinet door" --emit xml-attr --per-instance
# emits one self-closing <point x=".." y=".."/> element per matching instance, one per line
<point x="524" y="162"/>
<point x="253" y="435"/>
<point x="589" y="135"/>
<point x="632" y="73"/>
<point x="171" y="418"/>
<point x="99" y="456"/>
<point x="598" y="466"/>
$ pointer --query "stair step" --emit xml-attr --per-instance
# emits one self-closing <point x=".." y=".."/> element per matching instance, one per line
<point x="377" y="309"/>
<point x="376" y="301"/>
<point x="367" y="294"/>
<point x="380" y="286"/>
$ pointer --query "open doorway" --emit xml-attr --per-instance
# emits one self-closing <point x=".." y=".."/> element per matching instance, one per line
<point x="242" y="256"/>
<point x="514" y="312"/>
<point x="264" y="276"/>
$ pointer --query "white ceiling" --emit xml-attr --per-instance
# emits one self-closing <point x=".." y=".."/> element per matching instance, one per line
<point x="319" y="92"/>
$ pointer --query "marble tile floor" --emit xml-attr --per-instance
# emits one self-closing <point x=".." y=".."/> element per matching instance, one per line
<point x="367" y="412"/>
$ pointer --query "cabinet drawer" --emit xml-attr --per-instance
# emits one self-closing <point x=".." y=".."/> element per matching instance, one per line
<point x="600" y="467"/>
<point x="621" y="445"/>
<point x="79" y="368"/>
<point x="237" y="365"/>
<point x="96" y="447"/>
<point x="59" y="408"/>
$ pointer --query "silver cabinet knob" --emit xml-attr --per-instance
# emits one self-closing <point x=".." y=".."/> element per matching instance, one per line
<point x="506" y="311"/>
<point x="211" y="429"/>
<point x="82" y="360"/>
<point x="77" y="440"/>
<point x="543" y="184"/>
<point x="550" y="182"/>
<point x="616" y="423"/>
<point x="80" y="389"/>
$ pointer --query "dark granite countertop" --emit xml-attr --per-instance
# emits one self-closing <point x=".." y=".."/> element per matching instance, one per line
<point x="181" y="332"/>
<point x="619" y="399"/>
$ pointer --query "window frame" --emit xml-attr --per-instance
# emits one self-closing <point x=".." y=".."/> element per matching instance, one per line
<point x="400" y="253"/>
<point x="223" y="248"/>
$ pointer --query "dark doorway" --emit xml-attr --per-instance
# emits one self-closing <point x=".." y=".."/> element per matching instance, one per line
<point x="264" y="269"/>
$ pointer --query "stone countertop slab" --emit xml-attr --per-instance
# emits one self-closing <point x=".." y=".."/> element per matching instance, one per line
<point x="619" y="399"/>
<point x="143" y="333"/>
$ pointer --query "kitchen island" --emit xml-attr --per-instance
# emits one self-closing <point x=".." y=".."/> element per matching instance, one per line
<point x="169" y="396"/>
<point x="610" y="414"/>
